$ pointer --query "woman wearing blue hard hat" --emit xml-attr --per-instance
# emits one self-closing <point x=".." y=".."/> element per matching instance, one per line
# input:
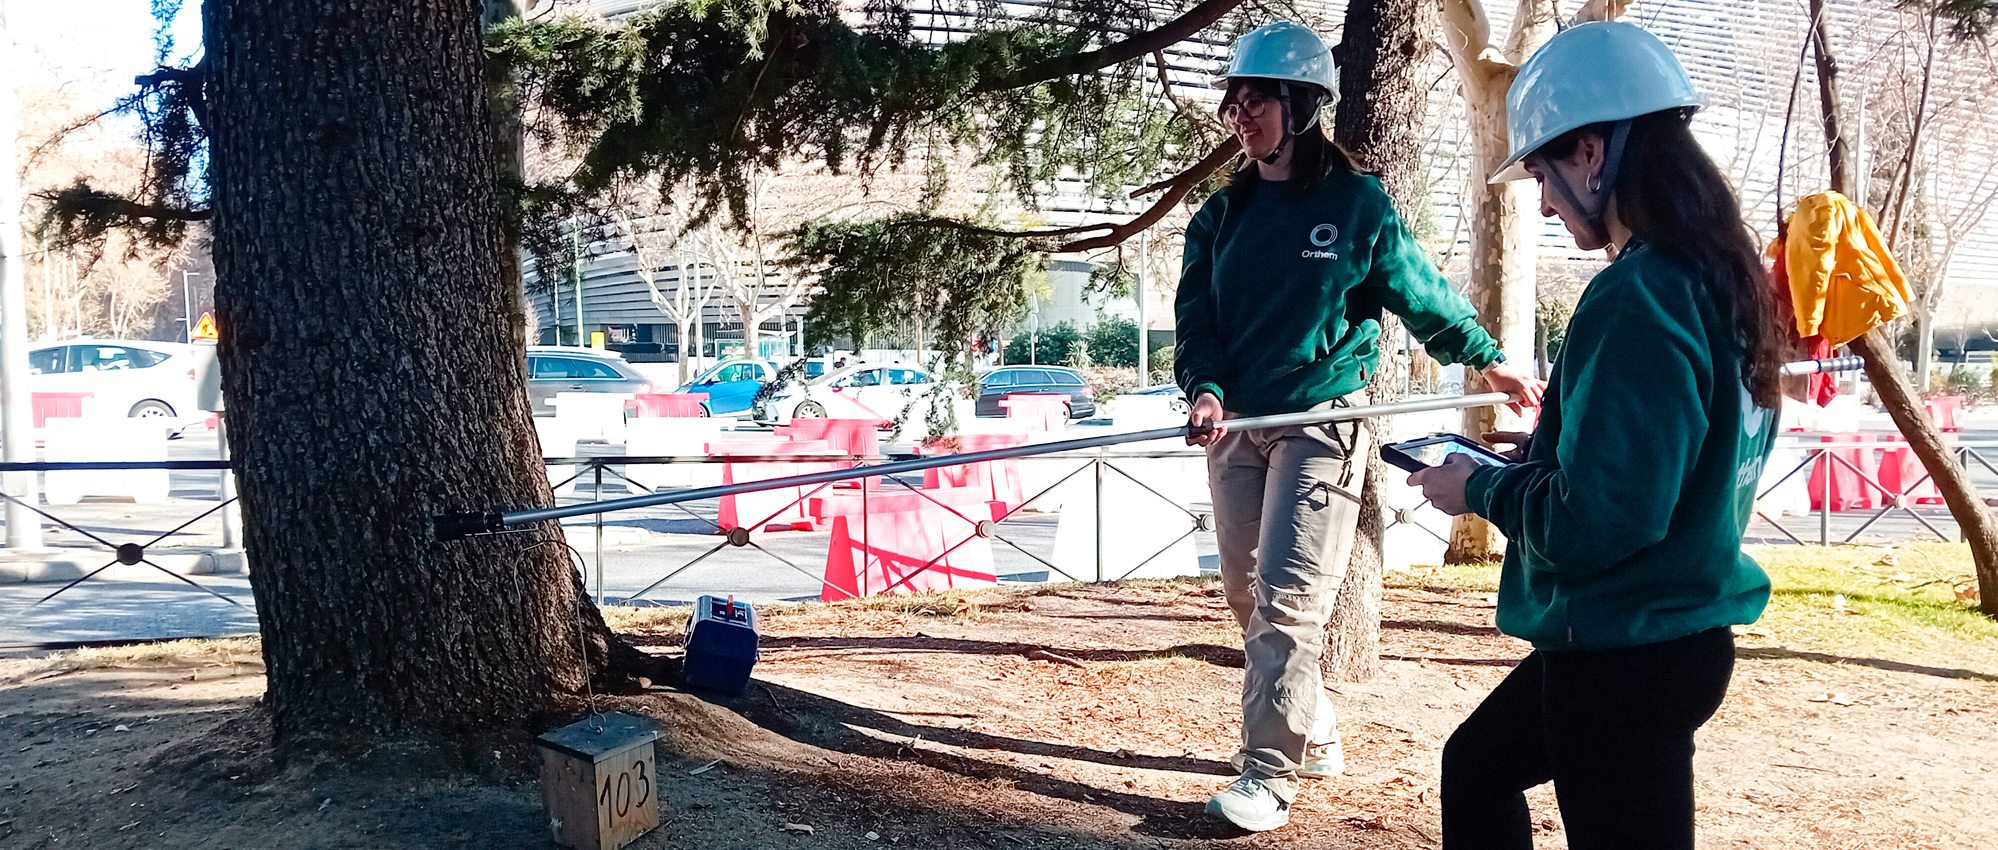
<point x="1625" y="511"/>
<point x="1286" y="273"/>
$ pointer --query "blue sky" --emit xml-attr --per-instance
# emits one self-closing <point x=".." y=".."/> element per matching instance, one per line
<point x="92" y="47"/>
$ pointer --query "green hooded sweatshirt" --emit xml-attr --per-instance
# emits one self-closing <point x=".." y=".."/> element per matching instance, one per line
<point x="1624" y="522"/>
<point x="1281" y="295"/>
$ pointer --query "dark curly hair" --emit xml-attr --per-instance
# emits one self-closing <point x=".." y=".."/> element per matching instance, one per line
<point x="1673" y="197"/>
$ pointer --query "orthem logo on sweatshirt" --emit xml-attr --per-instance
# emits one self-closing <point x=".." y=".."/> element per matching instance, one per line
<point x="1322" y="236"/>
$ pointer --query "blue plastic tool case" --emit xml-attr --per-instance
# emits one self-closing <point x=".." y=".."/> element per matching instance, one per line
<point x="721" y="645"/>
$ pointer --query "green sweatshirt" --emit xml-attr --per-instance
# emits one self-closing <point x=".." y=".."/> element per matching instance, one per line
<point x="1280" y="300"/>
<point x="1624" y="523"/>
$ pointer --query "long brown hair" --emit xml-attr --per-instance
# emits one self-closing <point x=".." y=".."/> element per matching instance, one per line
<point x="1315" y="156"/>
<point x="1674" y="198"/>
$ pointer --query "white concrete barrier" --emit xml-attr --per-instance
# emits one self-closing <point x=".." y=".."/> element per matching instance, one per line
<point x="673" y="436"/>
<point x="592" y="416"/>
<point x="1137" y="525"/>
<point x="104" y="438"/>
<point x="558" y="439"/>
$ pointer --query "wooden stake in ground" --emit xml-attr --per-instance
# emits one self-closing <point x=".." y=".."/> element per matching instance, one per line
<point x="1883" y="365"/>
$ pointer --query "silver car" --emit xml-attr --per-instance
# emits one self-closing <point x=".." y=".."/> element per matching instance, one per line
<point x="563" y="369"/>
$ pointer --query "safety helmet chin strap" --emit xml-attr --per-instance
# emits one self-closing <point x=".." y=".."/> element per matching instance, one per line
<point x="1594" y="213"/>
<point x="1283" y="102"/>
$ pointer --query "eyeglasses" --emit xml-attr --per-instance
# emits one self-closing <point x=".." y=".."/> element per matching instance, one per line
<point x="1251" y="108"/>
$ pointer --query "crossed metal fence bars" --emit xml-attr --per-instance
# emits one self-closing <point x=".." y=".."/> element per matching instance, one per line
<point x="129" y="554"/>
<point x="1827" y="455"/>
<point x="1098" y="463"/>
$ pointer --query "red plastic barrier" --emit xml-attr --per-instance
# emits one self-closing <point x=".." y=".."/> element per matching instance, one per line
<point x="1946" y="411"/>
<point x="1849" y="491"/>
<point x="782" y="505"/>
<point x="999" y="479"/>
<point x="56" y="406"/>
<point x="668" y="404"/>
<point x="848" y="436"/>
<point x="899" y="535"/>
<point x="1045" y="411"/>
<point x="1900" y="469"/>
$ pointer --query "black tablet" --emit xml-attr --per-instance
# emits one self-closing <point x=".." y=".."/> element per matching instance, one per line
<point x="1418" y="455"/>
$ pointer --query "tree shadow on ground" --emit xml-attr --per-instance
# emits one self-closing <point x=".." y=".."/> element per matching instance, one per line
<point x="1219" y="656"/>
<point x="1443" y="626"/>
<point x="1779" y="653"/>
<point x="831" y="724"/>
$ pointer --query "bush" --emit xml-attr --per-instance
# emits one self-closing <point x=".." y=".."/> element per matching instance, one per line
<point x="1162" y="364"/>
<point x="1110" y="381"/>
<point x="1054" y="345"/>
<point x="1114" y="342"/>
<point x="1957" y="381"/>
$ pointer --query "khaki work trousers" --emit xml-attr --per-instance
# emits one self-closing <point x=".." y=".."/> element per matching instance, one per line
<point x="1286" y="502"/>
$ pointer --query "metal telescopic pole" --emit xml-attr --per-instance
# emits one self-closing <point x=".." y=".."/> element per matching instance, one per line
<point x="451" y="526"/>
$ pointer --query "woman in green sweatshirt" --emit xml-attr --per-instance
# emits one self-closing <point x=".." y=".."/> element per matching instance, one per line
<point x="1286" y="273"/>
<point x="1625" y="511"/>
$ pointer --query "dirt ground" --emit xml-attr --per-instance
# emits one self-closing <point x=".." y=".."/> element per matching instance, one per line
<point x="949" y="724"/>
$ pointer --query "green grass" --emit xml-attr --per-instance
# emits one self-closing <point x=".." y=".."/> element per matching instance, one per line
<point x="1887" y="601"/>
<point x="1904" y="587"/>
<point x="1475" y="578"/>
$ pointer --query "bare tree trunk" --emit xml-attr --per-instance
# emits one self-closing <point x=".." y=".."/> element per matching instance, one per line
<point x="373" y="192"/>
<point x="1843" y="172"/>
<point x="1883" y="369"/>
<point x="752" y="331"/>
<point x="1925" y="343"/>
<point x="1382" y="98"/>
<point x="1502" y="245"/>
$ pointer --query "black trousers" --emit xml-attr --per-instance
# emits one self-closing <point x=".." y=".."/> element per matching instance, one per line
<point x="1612" y="729"/>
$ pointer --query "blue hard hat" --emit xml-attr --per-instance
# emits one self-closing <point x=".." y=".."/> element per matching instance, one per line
<point x="1589" y="74"/>
<point x="1282" y="51"/>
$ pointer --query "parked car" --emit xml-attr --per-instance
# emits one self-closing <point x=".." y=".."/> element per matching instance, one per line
<point x="856" y="392"/>
<point x="996" y="385"/>
<point x="564" y="369"/>
<point x="732" y="385"/>
<point x="1172" y="391"/>
<point x="133" y="377"/>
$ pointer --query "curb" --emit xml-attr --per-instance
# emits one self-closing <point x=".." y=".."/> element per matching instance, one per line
<point x="65" y="567"/>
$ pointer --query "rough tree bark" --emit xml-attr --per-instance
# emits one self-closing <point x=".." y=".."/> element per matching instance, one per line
<point x="370" y="363"/>
<point x="1502" y="246"/>
<point x="1383" y="96"/>
<point x="1883" y="365"/>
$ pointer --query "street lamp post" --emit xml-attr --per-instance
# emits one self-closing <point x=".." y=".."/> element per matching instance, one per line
<point x="186" y="308"/>
<point x="1144" y="363"/>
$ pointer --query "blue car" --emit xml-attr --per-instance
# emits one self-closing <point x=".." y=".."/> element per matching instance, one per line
<point x="732" y="385"/>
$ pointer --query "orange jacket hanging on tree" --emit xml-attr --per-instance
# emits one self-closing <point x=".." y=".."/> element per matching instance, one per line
<point x="1822" y="386"/>
<point x="1843" y="282"/>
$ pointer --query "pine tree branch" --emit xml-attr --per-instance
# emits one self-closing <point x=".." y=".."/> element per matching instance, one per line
<point x="84" y="202"/>
<point x="1176" y="189"/>
<point x="1172" y="32"/>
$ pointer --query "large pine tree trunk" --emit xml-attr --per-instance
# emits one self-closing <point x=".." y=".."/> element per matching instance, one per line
<point x="373" y="378"/>
<point x="1382" y="100"/>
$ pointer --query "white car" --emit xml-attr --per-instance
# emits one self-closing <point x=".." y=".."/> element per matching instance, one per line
<point x="865" y="391"/>
<point x="128" y="377"/>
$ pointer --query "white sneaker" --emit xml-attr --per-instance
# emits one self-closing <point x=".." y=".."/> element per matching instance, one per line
<point x="1323" y="761"/>
<point x="1249" y="804"/>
